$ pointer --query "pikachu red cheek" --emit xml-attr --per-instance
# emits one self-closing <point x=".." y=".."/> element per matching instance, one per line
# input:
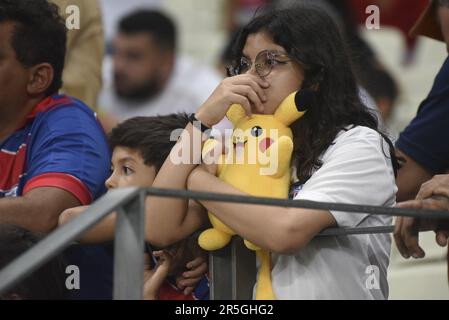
<point x="264" y="144"/>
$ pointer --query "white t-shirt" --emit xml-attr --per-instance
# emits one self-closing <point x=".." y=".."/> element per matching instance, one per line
<point x="188" y="88"/>
<point x="356" y="169"/>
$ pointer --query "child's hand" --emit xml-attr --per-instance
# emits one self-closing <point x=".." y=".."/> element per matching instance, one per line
<point x="189" y="279"/>
<point x="153" y="278"/>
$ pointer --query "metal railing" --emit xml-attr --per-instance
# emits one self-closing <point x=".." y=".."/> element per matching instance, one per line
<point x="232" y="269"/>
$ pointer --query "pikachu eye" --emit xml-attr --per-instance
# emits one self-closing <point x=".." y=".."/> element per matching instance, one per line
<point x="256" y="131"/>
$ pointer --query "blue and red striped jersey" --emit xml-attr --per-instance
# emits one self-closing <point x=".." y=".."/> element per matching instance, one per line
<point x="59" y="144"/>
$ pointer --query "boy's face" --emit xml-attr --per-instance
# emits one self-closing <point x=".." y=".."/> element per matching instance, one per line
<point x="129" y="170"/>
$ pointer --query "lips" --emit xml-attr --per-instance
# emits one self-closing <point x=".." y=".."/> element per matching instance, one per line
<point x="264" y="144"/>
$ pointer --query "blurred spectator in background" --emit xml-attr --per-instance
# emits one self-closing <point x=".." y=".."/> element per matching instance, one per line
<point x="381" y="86"/>
<point x="46" y="283"/>
<point x="114" y="10"/>
<point x="423" y="143"/>
<point x="239" y="12"/>
<point x="401" y="14"/>
<point x="82" y="74"/>
<point x="149" y="78"/>
<point x="371" y="74"/>
<point x="378" y="89"/>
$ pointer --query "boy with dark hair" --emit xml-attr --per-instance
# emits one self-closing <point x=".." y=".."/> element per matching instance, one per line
<point x="140" y="146"/>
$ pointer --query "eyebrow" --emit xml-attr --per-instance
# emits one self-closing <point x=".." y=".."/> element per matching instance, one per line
<point x="126" y="159"/>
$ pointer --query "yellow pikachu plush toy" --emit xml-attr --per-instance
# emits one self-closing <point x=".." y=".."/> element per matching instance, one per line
<point x="258" y="163"/>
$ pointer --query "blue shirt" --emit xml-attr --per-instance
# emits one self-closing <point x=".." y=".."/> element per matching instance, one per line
<point x="425" y="139"/>
<point x="61" y="144"/>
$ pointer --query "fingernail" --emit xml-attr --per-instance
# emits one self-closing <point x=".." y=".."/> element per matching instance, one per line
<point x="415" y="255"/>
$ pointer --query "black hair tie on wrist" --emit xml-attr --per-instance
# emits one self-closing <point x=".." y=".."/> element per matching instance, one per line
<point x="193" y="120"/>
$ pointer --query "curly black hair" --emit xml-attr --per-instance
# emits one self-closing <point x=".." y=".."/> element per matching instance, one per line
<point x="39" y="36"/>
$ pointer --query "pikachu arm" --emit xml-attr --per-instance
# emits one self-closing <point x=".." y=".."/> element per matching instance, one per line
<point x="284" y="147"/>
<point x="280" y="230"/>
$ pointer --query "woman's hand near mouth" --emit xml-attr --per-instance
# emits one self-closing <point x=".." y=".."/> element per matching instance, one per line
<point x="246" y="90"/>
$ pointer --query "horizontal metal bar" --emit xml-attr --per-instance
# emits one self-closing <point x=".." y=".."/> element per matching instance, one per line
<point x="306" y="204"/>
<point x="61" y="238"/>
<point x="355" y="231"/>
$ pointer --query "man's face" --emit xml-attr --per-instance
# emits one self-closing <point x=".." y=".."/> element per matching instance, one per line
<point x="139" y="66"/>
<point x="129" y="170"/>
<point x="13" y="75"/>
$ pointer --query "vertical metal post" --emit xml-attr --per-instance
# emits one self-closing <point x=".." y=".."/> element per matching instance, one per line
<point x="129" y="250"/>
<point x="220" y="272"/>
<point x="233" y="272"/>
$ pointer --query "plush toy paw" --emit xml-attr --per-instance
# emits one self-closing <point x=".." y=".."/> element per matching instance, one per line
<point x="213" y="239"/>
<point x="251" y="246"/>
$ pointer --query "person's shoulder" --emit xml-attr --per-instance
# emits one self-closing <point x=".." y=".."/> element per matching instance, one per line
<point x="356" y="140"/>
<point x="355" y="133"/>
<point x="66" y="113"/>
<point x="445" y="66"/>
<point x="441" y="82"/>
<point x="66" y="105"/>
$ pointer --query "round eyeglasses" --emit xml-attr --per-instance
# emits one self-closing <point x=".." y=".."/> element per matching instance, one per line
<point x="264" y="63"/>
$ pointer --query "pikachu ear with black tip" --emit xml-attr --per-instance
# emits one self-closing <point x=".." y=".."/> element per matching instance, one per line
<point x="235" y="113"/>
<point x="294" y="106"/>
<point x="304" y="98"/>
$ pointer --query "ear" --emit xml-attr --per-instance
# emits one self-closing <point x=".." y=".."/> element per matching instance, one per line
<point x="167" y="64"/>
<point x="294" y="106"/>
<point x="41" y="78"/>
<point x="236" y="113"/>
